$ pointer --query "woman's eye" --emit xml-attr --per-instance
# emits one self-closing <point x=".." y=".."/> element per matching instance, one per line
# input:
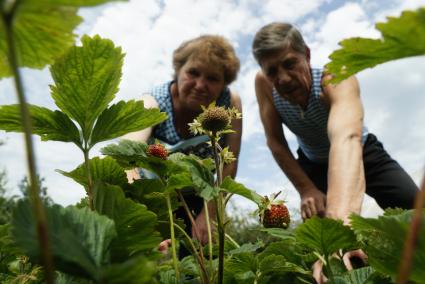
<point x="193" y="72"/>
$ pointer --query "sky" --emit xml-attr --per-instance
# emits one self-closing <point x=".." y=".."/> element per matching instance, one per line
<point x="148" y="31"/>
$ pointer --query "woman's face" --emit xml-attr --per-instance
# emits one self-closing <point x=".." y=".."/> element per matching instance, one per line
<point x="199" y="83"/>
<point x="289" y="72"/>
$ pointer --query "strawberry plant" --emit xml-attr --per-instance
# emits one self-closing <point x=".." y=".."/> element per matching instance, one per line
<point x="112" y="235"/>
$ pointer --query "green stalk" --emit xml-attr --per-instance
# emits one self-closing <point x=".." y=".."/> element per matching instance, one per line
<point x="220" y="211"/>
<point x="34" y="190"/>
<point x="210" y="243"/>
<point x="204" y="275"/>
<point x="173" y="238"/>
<point x="329" y="270"/>
<point x="189" y="214"/>
<point x="412" y="237"/>
<point x="89" y="177"/>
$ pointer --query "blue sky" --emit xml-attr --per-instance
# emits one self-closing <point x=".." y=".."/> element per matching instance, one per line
<point x="149" y="31"/>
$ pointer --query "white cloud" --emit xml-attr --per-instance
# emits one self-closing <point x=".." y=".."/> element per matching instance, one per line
<point x="288" y="10"/>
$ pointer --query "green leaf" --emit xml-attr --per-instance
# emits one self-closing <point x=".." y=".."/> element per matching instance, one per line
<point x="79" y="238"/>
<point x="86" y="80"/>
<point x="383" y="241"/>
<point x="50" y="125"/>
<point x="74" y="2"/>
<point x="283" y="234"/>
<point x="248" y="247"/>
<point x="401" y="37"/>
<point x="106" y="170"/>
<point x="273" y="264"/>
<point x="325" y="236"/>
<point x="134" y="222"/>
<point x="124" y="117"/>
<point x="242" y="267"/>
<point x="202" y="177"/>
<point x="127" y="153"/>
<point x="231" y="186"/>
<point x="137" y="270"/>
<point x="356" y="276"/>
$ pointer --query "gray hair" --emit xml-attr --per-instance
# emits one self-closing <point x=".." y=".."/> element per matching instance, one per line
<point x="275" y="36"/>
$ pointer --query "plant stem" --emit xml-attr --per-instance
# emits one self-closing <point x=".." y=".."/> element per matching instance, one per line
<point x="192" y="221"/>
<point x="210" y="243"/>
<point x="173" y="239"/>
<point x="89" y="177"/>
<point x="204" y="274"/>
<point x="329" y="270"/>
<point x="232" y="241"/>
<point x="34" y="190"/>
<point x="412" y="237"/>
<point x="220" y="211"/>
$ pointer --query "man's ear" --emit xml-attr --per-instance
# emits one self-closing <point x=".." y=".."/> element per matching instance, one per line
<point x="307" y="53"/>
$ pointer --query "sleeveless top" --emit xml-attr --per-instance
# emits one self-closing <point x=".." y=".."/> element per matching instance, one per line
<point x="166" y="131"/>
<point x="309" y="126"/>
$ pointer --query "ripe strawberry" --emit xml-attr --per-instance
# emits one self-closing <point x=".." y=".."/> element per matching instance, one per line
<point x="274" y="214"/>
<point x="157" y="150"/>
<point x="214" y="119"/>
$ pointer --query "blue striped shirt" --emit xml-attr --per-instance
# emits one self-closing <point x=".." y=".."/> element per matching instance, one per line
<point x="309" y="126"/>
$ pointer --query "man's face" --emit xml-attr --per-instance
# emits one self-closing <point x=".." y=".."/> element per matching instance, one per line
<point x="289" y="72"/>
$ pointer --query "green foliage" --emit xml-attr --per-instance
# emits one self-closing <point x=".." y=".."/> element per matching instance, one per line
<point x="79" y="238"/>
<point x="135" y="224"/>
<point x="42" y="29"/>
<point x="86" y="79"/>
<point x="383" y="240"/>
<point x="231" y="186"/>
<point x="106" y="170"/>
<point x="401" y="37"/>
<point x="325" y="236"/>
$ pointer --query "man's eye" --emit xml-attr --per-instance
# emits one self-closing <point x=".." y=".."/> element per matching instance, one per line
<point x="271" y="72"/>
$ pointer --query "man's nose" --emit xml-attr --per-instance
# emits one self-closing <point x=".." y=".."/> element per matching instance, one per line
<point x="283" y="77"/>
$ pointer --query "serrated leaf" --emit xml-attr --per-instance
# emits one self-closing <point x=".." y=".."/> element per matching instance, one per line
<point x="134" y="222"/>
<point x="242" y="267"/>
<point x="79" y="238"/>
<point x="86" y="80"/>
<point x="124" y="117"/>
<point x="383" y="241"/>
<point x="106" y="170"/>
<point x="325" y="235"/>
<point x="231" y="186"/>
<point x="277" y="264"/>
<point x="279" y="233"/>
<point x="248" y="247"/>
<point x="401" y="37"/>
<point x="356" y="276"/>
<point x="48" y="124"/>
<point x="127" y="152"/>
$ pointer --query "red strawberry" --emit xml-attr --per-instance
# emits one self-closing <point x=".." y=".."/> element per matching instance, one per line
<point x="157" y="150"/>
<point x="274" y="214"/>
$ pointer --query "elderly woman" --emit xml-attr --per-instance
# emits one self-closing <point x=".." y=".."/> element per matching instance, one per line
<point x="203" y="69"/>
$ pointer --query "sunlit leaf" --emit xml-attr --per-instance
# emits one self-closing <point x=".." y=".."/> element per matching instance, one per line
<point x="279" y="233"/>
<point x="231" y="186"/>
<point x="325" y="235"/>
<point x="401" y="37"/>
<point x="79" y="238"/>
<point x="134" y="222"/>
<point x="106" y="170"/>
<point x="122" y="118"/>
<point x="43" y="31"/>
<point x="50" y="125"/>
<point x="356" y="276"/>
<point x="128" y="153"/>
<point x="86" y="80"/>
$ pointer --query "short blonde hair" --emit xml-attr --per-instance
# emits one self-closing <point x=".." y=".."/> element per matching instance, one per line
<point x="273" y="37"/>
<point x="212" y="49"/>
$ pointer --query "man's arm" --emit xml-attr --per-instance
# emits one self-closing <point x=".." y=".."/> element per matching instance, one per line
<point x="141" y="135"/>
<point x="312" y="200"/>
<point x="346" y="182"/>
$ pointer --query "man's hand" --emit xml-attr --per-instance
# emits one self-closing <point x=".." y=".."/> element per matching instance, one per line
<point x="347" y="257"/>
<point x="313" y="202"/>
<point x="201" y="224"/>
